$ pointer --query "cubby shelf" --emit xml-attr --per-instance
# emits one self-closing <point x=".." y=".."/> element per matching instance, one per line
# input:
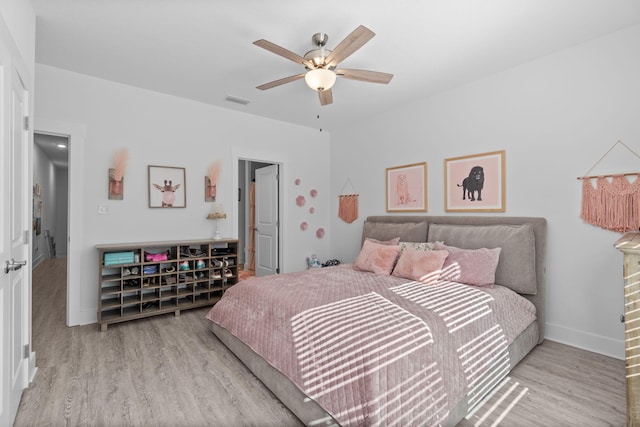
<point x="164" y="277"/>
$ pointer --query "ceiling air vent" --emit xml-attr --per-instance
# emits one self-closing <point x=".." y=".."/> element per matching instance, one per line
<point x="237" y="100"/>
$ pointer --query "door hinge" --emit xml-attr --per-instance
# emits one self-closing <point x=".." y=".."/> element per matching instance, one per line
<point x="26" y="351"/>
<point x="26" y="122"/>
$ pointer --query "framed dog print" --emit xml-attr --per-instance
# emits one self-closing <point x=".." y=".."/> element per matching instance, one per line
<point x="167" y="187"/>
<point x="407" y="188"/>
<point x="475" y="183"/>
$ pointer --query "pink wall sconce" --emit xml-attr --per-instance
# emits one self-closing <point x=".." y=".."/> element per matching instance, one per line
<point x="116" y="175"/>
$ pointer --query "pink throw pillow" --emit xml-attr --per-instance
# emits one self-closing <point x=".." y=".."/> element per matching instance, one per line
<point x="422" y="266"/>
<point x="377" y="258"/>
<point x="470" y="266"/>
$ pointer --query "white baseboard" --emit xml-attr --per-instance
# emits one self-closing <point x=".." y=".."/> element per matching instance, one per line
<point x="83" y="317"/>
<point x="585" y="340"/>
<point x="33" y="369"/>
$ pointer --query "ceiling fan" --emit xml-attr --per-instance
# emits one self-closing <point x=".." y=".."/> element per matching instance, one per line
<point x="320" y="63"/>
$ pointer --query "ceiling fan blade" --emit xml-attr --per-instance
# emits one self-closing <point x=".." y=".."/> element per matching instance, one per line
<point x="350" y="44"/>
<point x="280" y="82"/>
<point x="285" y="53"/>
<point x="365" y="75"/>
<point x="326" y="97"/>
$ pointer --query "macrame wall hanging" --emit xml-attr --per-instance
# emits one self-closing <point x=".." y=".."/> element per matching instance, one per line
<point x="614" y="203"/>
<point x="348" y="204"/>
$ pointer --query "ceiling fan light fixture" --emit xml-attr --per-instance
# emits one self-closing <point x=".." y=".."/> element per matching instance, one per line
<point x="320" y="79"/>
<point x="321" y="63"/>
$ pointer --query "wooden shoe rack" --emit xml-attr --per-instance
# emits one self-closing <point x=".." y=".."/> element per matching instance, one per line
<point x="139" y="280"/>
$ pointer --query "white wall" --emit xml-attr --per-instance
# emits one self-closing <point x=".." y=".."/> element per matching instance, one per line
<point x="164" y="130"/>
<point x="555" y="117"/>
<point x="20" y="20"/>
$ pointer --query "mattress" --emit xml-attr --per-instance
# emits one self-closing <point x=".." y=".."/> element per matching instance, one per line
<point x="361" y="348"/>
<point x="307" y="410"/>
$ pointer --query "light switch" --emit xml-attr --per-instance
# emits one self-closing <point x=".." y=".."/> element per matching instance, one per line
<point x="103" y="210"/>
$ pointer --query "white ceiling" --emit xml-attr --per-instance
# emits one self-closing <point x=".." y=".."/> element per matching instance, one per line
<point x="49" y="144"/>
<point x="202" y="49"/>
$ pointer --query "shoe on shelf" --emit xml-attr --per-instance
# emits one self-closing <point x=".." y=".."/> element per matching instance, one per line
<point x="228" y="273"/>
<point x="150" y="269"/>
<point x="216" y="274"/>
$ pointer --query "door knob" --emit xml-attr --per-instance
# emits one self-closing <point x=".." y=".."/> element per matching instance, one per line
<point x="13" y="265"/>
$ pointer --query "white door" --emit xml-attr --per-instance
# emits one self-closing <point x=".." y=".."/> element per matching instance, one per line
<point x="267" y="220"/>
<point x="14" y="290"/>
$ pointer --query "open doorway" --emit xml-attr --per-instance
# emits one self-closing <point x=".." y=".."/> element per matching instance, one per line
<point x="74" y="133"/>
<point x="258" y="217"/>
<point x="50" y="196"/>
<point x="50" y="215"/>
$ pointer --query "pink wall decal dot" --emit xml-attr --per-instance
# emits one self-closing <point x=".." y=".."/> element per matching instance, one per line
<point x="300" y="201"/>
<point x="320" y="233"/>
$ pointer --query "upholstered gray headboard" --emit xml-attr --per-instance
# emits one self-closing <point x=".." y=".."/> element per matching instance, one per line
<point x="522" y="239"/>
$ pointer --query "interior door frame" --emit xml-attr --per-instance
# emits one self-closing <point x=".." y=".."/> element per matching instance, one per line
<point x="76" y="136"/>
<point x="249" y="157"/>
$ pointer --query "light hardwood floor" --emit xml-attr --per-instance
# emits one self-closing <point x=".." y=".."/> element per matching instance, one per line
<point x="172" y="371"/>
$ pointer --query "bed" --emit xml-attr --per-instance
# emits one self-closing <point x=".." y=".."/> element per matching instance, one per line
<point x="344" y="345"/>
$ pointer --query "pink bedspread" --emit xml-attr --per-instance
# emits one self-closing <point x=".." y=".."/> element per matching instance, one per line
<point x="374" y="349"/>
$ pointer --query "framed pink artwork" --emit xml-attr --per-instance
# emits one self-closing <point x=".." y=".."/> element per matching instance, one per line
<point x="407" y="188"/>
<point x="475" y="183"/>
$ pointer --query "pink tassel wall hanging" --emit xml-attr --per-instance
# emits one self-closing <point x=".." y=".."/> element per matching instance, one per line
<point x="612" y="204"/>
<point x="348" y="204"/>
